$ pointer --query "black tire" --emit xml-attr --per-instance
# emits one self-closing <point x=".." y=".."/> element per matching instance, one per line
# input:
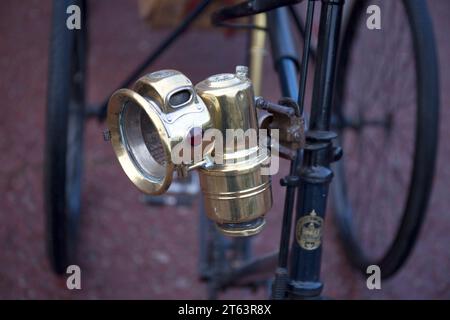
<point x="397" y="237"/>
<point x="64" y="135"/>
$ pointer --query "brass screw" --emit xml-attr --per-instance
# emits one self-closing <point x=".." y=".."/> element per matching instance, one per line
<point x="241" y="72"/>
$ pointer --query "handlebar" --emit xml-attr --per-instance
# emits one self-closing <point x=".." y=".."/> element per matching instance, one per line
<point x="248" y="8"/>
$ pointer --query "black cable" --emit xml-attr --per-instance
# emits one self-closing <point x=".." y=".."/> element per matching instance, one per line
<point x="299" y="25"/>
<point x="306" y="53"/>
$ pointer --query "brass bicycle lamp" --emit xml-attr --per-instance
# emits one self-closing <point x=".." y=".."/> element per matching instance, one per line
<point x="166" y="125"/>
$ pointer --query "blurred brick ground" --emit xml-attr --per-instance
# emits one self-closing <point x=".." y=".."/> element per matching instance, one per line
<point x="129" y="250"/>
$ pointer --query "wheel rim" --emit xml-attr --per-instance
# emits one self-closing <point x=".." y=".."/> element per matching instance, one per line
<point x="369" y="208"/>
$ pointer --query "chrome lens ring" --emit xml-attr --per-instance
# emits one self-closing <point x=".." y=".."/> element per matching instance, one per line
<point x="140" y="141"/>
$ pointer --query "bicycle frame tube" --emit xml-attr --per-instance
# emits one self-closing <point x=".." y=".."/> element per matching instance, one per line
<point x="285" y="62"/>
<point x="284" y="54"/>
<point x="315" y="173"/>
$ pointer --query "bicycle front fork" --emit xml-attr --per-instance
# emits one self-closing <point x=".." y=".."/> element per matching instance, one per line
<point x="315" y="174"/>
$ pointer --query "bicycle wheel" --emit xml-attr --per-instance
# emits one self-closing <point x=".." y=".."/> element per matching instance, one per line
<point x="387" y="101"/>
<point x="64" y="135"/>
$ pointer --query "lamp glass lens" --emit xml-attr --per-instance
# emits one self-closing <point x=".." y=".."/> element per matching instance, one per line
<point x="142" y="142"/>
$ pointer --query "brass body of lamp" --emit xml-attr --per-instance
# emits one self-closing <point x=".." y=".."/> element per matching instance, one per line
<point x="164" y="111"/>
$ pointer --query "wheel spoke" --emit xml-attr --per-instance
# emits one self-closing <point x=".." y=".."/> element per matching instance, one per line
<point x="378" y="108"/>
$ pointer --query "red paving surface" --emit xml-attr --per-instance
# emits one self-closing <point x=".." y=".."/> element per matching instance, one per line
<point x="129" y="250"/>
